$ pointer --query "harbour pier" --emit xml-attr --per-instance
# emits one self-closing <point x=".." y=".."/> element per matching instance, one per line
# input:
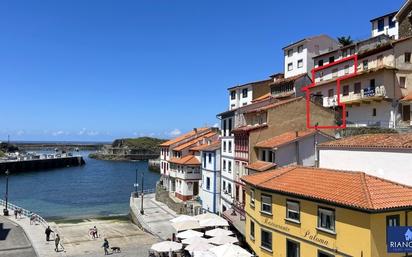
<point x="41" y="164"/>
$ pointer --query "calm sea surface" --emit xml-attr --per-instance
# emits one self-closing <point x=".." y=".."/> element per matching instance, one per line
<point x="99" y="188"/>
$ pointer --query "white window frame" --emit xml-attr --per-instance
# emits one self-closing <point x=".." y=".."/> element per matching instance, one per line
<point x="290" y="66"/>
<point x="290" y="203"/>
<point x="266" y="203"/>
<point x="252" y="197"/>
<point x="301" y="63"/>
<point x="327" y="212"/>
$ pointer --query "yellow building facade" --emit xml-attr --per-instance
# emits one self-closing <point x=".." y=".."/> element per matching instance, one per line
<point x="286" y="225"/>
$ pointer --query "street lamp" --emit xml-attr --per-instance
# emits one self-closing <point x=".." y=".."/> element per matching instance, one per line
<point x="6" y="210"/>
<point x="141" y="206"/>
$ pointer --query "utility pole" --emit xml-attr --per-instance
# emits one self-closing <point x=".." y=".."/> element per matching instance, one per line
<point x="141" y="206"/>
<point x="6" y="210"/>
<point x="135" y="184"/>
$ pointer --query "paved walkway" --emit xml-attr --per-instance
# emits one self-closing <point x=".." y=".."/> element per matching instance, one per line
<point x="156" y="218"/>
<point x="35" y="234"/>
<point x="13" y="240"/>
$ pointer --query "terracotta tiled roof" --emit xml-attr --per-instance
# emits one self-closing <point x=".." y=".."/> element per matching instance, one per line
<point x="347" y="188"/>
<point x="398" y="141"/>
<point x="183" y="137"/>
<point x="187" y="160"/>
<point x="274" y="105"/>
<point x="215" y="145"/>
<point x="284" y="138"/>
<point x="252" y="83"/>
<point x="263" y="97"/>
<point x="194" y="141"/>
<point x="248" y="128"/>
<point x="261" y="166"/>
<point x="287" y="80"/>
<point x="407" y="98"/>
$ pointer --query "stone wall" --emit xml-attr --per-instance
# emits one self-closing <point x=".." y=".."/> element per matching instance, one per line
<point x="405" y="24"/>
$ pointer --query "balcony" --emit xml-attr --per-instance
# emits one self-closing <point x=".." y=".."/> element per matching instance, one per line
<point x="365" y="95"/>
<point x="191" y="176"/>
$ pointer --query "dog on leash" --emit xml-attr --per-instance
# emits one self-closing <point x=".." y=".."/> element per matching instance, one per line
<point x="115" y="249"/>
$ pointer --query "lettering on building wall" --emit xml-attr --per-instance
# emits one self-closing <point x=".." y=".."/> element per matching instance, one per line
<point x="272" y="224"/>
<point x="315" y="238"/>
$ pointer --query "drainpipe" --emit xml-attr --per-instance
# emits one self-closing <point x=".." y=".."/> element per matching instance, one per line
<point x="406" y="224"/>
<point x="297" y="148"/>
<point x="214" y="186"/>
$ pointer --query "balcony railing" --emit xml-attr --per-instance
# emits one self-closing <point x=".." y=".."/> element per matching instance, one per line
<point x="185" y="175"/>
<point x="369" y="123"/>
<point x="365" y="94"/>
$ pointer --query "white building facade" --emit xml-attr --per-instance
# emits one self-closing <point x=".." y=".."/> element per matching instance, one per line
<point x="210" y="165"/>
<point x="298" y="55"/>
<point x="387" y="156"/>
<point x="385" y="25"/>
<point x="371" y="94"/>
<point x="227" y="160"/>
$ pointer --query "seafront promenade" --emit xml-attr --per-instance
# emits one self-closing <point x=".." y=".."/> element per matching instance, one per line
<point x="156" y="217"/>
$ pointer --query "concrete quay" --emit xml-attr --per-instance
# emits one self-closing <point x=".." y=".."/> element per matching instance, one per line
<point x="156" y="217"/>
<point x="13" y="240"/>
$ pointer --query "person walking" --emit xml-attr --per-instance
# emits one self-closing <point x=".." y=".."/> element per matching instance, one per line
<point x="48" y="232"/>
<point x="95" y="232"/>
<point x="106" y="247"/>
<point x="15" y="213"/>
<point x="57" y="242"/>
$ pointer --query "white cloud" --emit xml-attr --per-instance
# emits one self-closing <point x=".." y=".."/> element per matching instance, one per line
<point x="93" y="133"/>
<point x="58" y="133"/>
<point x="216" y="125"/>
<point x="175" y="132"/>
<point x="82" y="131"/>
<point x="20" y="132"/>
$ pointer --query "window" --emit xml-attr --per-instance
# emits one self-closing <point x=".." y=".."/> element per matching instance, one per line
<point x="326" y="219"/>
<point x="209" y="158"/>
<point x="346" y="90"/>
<point x="266" y="240"/>
<point x="229" y="166"/>
<point x="290" y="66"/>
<point x="381" y="24"/>
<point x="344" y="53"/>
<point x="244" y="92"/>
<point x="372" y="84"/>
<point x="230" y="146"/>
<point x="292" y="210"/>
<point x="224" y="146"/>
<point x="292" y="249"/>
<point x="320" y="63"/>
<point x="392" y="23"/>
<point x="322" y="254"/>
<point x="357" y="88"/>
<point x="300" y="63"/>
<point x="331" y="59"/>
<point x="252" y="197"/>
<point x="408" y="57"/>
<point x="347" y="114"/>
<point x="229" y="188"/>
<point x="204" y="160"/>
<point x="352" y="51"/>
<point x="290" y="52"/>
<point x="365" y="64"/>
<point x="207" y="183"/>
<point x="224" y="186"/>
<point x="393" y="221"/>
<point x="300" y="49"/>
<point x="252" y="230"/>
<point x="266" y="204"/>
<point x="374" y="112"/>
<point x="330" y="92"/>
<point x="233" y="95"/>
<point x="224" y="164"/>
<point x="402" y="82"/>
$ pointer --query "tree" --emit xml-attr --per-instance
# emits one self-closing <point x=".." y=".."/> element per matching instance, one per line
<point x="345" y="41"/>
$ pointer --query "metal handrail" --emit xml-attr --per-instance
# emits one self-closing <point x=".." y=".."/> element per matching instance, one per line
<point x="25" y="212"/>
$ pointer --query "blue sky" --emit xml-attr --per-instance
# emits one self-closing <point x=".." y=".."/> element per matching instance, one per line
<point x="96" y="70"/>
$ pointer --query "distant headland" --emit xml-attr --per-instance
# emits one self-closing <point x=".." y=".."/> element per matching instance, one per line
<point x="142" y="148"/>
